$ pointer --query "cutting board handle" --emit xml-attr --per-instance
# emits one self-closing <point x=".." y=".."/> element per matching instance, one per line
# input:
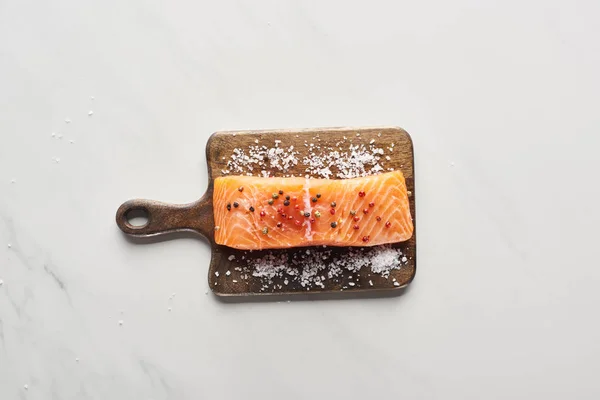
<point x="166" y="218"/>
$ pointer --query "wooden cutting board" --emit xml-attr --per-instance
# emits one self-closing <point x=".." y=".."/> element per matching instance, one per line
<point x="232" y="272"/>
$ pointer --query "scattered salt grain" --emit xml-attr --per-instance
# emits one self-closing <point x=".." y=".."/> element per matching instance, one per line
<point x="231" y="257"/>
<point x="235" y="281"/>
<point x="372" y="141"/>
<point x="228" y="273"/>
<point x="76" y="359"/>
<point x="90" y="113"/>
<point x="120" y="322"/>
<point x="370" y="282"/>
<point x="60" y="136"/>
<point x="1" y="282"/>
<point x="313" y="269"/>
<point x="53" y="134"/>
<point x="396" y="284"/>
<point x="92" y="97"/>
<point x="216" y="273"/>
<point x="26" y="386"/>
<point x="351" y="283"/>
<point x="71" y="141"/>
<point x="404" y="259"/>
<point x="9" y="245"/>
<point x="67" y="120"/>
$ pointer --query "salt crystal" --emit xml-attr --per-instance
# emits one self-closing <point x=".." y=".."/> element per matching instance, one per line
<point x="255" y="140"/>
<point x="351" y="283"/>
<point x="120" y="322"/>
<point x="90" y="113"/>
<point x="76" y="359"/>
<point x="92" y="97"/>
<point x="67" y="120"/>
<point x="228" y="273"/>
<point x="169" y="309"/>
<point x="71" y="141"/>
<point x="25" y="386"/>
<point x="396" y="284"/>
<point x="217" y="273"/>
<point x="9" y="245"/>
<point x="53" y="134"/>
<point x="60" y="136"/>
<point x="1" y="282"/>
<point x="234" y="281"/>
<point x="404" y="259"/>
<point x="372" y="141"/>
<point x="370" y="282"/>
<point x="231" y="257"/>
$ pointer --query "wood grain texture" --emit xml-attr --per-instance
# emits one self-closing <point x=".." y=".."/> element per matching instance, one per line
<point x="198" y="216"/>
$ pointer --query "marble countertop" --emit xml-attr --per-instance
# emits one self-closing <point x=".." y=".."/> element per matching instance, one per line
<point x="105" y="101"/>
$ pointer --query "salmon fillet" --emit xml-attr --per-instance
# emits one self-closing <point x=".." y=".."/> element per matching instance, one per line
<point x="253" y="213"/>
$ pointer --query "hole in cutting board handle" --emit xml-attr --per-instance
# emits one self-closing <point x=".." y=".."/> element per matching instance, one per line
<point x="137" y="218"/>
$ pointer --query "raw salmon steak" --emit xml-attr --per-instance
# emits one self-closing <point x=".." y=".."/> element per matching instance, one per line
<point x="253" y="213"/>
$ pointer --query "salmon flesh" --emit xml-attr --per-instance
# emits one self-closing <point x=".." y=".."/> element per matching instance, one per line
<point x="253" y="213"/>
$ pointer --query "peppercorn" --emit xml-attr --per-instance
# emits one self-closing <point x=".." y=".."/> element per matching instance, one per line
<point x="332" y="211"/>
<point x="275" y="196"/>
<point x="251" y="209"/>
<point x="265" y="230"/>
<point x="279" y="224"/>
<point x="271" y="202"/>
<point x="352" y="212"/>
<point x="236" y="204"/>
<point x="333" y="204"/>
<point x="356" y="226"/>
<point x="388" y="224"/>
<point x="287" y="197"/>
<point x="366" y="211"/>
<point x="286" y="203"/>
<point x="356" y="218"/>
<point x="281" y="192"/>
<point x="361" y="194"/>
<point x="262" y="214"/>
<point x="228" y="206"/>
<point x="318" y="214"/>
<point x="334" y="224"/>
<point x="378" y="218"/>
<point x="371" y="204"/>
<point x="314" y="199"/>
<point x="318" y="195"/>
<point x="241" y="188"/>
<point x="306" y="214"/>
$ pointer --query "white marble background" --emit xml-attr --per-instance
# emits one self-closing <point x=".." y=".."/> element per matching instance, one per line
<point x="501" y="98"/>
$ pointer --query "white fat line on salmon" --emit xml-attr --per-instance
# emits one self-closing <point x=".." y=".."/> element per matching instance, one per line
<point x="307" y="208"/>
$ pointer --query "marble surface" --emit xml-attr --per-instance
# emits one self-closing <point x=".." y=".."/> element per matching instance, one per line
<point x="501" y="99"/>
